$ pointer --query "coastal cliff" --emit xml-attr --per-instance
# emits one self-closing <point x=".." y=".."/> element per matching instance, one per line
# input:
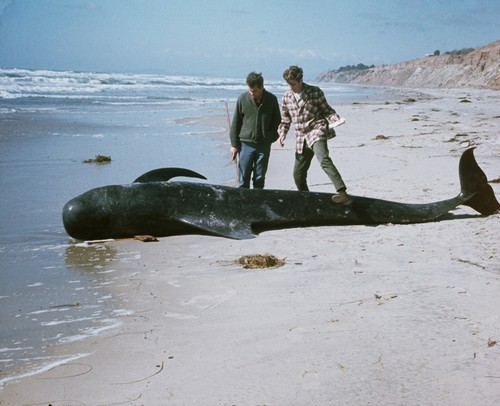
<point x="479" y="68"/>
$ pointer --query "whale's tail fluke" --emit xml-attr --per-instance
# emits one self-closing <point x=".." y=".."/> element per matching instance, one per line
<point x="476" y="191"/>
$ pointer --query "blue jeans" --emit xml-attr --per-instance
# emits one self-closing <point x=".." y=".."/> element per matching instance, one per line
<point x="303" y="162"/>
<point x="253" y="158"/>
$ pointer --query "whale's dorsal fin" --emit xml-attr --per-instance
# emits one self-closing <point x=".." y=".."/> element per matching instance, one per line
<point x="165" y="174"/>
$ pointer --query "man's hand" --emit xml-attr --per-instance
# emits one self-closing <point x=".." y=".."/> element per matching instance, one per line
<point x="234" y="153"/>
<point x="282" y="140"/>
<point x="334" y="117"/>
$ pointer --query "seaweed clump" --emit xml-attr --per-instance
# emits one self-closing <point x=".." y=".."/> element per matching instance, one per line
<point x="99" y="159"/>
<point x="260" y="261"/>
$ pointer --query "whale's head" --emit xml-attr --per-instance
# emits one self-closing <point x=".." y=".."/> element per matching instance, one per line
<point x="123" y="211"/>
<point x="86" y="217"/>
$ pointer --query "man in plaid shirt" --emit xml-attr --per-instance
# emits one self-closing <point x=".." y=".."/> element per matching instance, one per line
<point x="307" y="107"/>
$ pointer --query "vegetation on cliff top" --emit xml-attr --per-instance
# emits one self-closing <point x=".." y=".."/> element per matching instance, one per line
<point x="359" y="66"/>
<point x="362" y="66"/>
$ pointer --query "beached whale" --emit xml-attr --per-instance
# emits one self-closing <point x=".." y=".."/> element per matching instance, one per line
<point x="152" y="205"/>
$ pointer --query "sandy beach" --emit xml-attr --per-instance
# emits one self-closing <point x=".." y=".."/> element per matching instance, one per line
<point x="357" y="315"/>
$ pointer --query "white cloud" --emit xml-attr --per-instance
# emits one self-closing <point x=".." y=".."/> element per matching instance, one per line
<point x="294" y="53"/>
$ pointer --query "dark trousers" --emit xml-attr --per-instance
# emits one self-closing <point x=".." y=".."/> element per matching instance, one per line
<point x="303" y="162"/>
<point x="254" y="158"/>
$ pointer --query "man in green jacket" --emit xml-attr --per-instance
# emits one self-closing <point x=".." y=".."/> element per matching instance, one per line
<point x="254" y="128"/>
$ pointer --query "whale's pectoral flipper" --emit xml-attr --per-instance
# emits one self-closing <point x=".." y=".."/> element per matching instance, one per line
<point x="165" y="174"/>
<point x="235" y="229"/>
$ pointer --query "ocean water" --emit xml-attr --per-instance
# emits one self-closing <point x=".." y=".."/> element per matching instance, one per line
<point x="54" y="289"/>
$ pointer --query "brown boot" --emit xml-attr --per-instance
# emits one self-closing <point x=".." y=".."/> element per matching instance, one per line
<point x="342" y="198"/>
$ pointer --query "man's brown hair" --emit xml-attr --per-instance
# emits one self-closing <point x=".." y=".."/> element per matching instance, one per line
<point x="293" y="73"/>
<point x="255" y="79"/>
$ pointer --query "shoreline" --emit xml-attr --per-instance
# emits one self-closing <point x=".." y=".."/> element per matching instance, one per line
<point x="357" y="315"/>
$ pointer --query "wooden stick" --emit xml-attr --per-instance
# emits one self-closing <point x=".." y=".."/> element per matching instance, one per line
<point x="229" y="129"/>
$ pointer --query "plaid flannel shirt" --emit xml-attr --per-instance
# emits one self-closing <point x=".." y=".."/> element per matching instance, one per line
<point x="309" y="114"/>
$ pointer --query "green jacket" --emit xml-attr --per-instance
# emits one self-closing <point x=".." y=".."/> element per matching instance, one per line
<point x="252" y="123"/>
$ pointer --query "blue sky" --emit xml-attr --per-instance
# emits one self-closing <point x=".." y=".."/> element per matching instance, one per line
<point x="232" y="37"/>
